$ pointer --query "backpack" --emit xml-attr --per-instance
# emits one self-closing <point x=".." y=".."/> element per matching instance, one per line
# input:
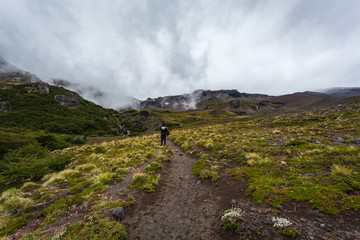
<point x="167" y="132"/>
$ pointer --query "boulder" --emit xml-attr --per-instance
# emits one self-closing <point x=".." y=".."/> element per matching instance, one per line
<point x="3" y="107"/>
<point x="339" y="140"/>
<point x="70" y="100"/>
<point x="118" y="214"/>
<point x="37" y="88"/>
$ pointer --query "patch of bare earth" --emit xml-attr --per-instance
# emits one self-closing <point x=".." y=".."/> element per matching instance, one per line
<point x="181" y="207"/>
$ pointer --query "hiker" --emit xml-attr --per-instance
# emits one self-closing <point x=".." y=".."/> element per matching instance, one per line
<point x="164" y="132"/>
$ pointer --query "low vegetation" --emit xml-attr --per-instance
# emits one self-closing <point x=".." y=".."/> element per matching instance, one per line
<point x="40" y="111"/>
<point x="83" y="185"/>
<point x="311" y="156"/>
<point x="30" y="158"/>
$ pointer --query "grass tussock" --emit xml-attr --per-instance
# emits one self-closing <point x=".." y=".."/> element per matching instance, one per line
<point x="291" y="157"/>
<point x="13" y="200"/>
<point x="337" y="169"/>
<point x="52" y="178"/>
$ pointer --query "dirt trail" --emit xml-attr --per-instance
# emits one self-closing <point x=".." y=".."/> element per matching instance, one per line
<point x="181" y="208"/>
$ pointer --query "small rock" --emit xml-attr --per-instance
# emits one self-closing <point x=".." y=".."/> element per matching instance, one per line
<point x="339" y="140"/>
<point x="279" y="207"/>
<point x="198" y="182"/>
<point x="205" y="200"/>
<point x="303" y="219"/>
<point x="118" y="214"/>
<point x="253" y="210"/>
<point x="322" y="226"/>
<point x="357" y="140"/>
<point x="330" y="226"/>
<point x="233" y="202"/>
<point x="265" y="233"/>
<point x="165" y="231"/>
<point x="349" y="236"/>
<point x="339" y="118"/>
<point x="312" y="238"/>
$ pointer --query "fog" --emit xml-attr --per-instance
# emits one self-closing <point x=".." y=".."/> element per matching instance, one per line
<point x="115" y="50"/>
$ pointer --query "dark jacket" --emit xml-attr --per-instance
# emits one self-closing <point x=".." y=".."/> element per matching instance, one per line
<point x="165" y="131"/>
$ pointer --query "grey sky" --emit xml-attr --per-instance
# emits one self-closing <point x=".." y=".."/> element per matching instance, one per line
<point x="150" y="48"/>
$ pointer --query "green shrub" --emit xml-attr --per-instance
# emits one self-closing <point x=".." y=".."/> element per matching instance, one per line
<point x="205" y="174"/>
<point x="12" y="201"/>
<point x="59" y="208"/>
<point x="150" y="155"/>
<point x="30" y="162"/>
<point x="11" y="225"/>
<point x="58" y="162"/>
<point x="153" y="167"/>
<point x="100" y="149"/>
<point x="95" y="227"/>
<point x="162" y="157"/>
<point x="199" y="165"/>
<point x="30" y="186"/>
<point x="51" y="141"/>
<point x="146" y="182"/>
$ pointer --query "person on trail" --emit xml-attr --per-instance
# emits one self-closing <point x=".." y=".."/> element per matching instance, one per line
<point x="164" y="133"/>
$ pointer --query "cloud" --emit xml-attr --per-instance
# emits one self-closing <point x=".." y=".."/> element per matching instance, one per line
<point x="156" y="48"/>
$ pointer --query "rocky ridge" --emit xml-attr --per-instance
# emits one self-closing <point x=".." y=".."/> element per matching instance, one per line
<point x="245" y="103"/>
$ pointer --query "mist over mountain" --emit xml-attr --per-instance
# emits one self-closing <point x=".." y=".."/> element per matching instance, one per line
<point x="238" y="102"/>
<point x="344" y="92"/>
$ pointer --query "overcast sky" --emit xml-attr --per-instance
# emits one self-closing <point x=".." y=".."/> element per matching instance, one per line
<point x="151" y="48"/>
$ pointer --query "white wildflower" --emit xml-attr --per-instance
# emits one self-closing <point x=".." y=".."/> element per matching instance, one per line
<point x="281" y="222"/>
<point x="230" y="216"/>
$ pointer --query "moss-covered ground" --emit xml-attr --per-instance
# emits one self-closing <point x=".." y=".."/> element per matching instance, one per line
<point x="83" y="185"/>
<point x="312" y="156"/>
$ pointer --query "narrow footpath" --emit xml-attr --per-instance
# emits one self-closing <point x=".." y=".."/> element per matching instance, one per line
<point x="182" y="207"/>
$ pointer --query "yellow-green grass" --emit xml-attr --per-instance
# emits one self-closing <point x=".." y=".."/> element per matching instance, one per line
<point x="85" y="181"/>
<point x="290" y="157"/>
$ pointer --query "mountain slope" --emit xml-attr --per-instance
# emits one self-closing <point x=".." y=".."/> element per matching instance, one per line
<point x="246" y="104"/>
<point x="27" y="102"/>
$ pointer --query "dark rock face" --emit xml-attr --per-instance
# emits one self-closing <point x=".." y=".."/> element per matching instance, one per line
<point x="70" y="101"/>
<point x="61" y="83"/>
<point x="235" y="104"/>
<point x="144" y="113"/>
<point x="150" y="104"/>
<point x="38" y="88"/>
<point x="3" y="107"/>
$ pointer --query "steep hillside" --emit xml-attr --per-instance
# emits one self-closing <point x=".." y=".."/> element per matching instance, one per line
<point x="39" y="106"/>
<point x="37" y="118"/>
